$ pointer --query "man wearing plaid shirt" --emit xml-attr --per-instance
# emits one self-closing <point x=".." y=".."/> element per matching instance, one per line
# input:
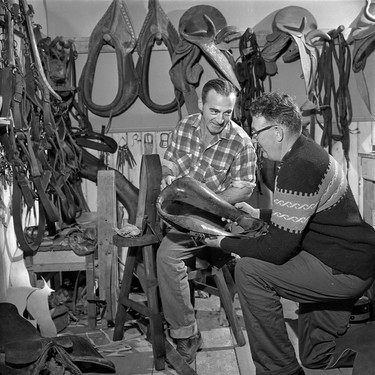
<point x="212" y="149"/>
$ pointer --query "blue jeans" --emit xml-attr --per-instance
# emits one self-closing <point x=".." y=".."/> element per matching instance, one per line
<point x="175" y="249"/>
<point x="325" y="302"/>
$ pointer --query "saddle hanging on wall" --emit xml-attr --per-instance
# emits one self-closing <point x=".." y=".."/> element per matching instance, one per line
<point x="294" y="28"/>
<point x="206" y="27"/>
<point x="203" y="31"/>
<point x="362" y="37"/>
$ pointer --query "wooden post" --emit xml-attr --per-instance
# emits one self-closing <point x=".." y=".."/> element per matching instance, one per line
<point x="107" y="252"/>
<point x="90" y="285"/>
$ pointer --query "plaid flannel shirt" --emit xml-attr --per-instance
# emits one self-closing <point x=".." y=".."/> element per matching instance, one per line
<point x="229" y="161"/>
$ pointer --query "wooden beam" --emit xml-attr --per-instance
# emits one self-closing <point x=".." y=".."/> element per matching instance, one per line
<point x="107" y="251"/>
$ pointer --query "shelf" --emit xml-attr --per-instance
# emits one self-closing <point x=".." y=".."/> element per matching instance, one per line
<point x="145" y="240"/>
<point x="368" y="155"/>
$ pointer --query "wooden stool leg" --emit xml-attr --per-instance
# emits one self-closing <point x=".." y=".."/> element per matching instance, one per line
<point x="227" y="302"/>
<point x="90" y="284"/>
<point x="155" y="315"/>
<point x="120" y="319"/>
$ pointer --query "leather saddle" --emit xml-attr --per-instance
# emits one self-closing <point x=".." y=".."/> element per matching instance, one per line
<point x="294" y="31"/>
<point x="190" y="206"/>
<point x="23" y="351"/>
<point x="203" y="31"/>
<point x="362" y="37"/>
<point x="157" y="28"/>
<point x="115" y="29"/>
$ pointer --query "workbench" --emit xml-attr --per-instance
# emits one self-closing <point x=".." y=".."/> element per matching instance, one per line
<point x="55" y="256"/>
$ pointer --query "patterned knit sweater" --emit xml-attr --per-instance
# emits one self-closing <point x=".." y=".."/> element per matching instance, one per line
<point x="313" y="210"/>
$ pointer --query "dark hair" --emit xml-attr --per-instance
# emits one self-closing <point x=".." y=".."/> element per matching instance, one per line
<point x="279" y="108"/>
<point x="220" y="85"/>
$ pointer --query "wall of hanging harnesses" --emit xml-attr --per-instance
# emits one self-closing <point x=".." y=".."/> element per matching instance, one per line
<point x="36" y="138"/>
<point x="49" y="146"/>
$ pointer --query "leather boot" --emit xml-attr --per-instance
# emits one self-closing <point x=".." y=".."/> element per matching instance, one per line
<point x="188" y="347"/>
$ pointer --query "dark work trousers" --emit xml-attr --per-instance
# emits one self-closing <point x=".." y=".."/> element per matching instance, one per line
<point x="325" y="302"/>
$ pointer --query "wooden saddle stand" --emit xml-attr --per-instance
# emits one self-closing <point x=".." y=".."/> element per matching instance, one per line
<point x="141" y="260"/>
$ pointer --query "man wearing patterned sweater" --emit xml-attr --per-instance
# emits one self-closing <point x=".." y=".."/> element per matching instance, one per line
<point x="318" y="251"/>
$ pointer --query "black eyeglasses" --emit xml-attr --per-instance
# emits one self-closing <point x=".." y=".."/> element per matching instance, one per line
<point x="255" y="134"/>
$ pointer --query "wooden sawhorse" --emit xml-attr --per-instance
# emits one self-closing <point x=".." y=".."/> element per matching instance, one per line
<point x="141" y="260"/>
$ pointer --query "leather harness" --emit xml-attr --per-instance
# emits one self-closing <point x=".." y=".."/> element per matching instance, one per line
<point x="157" y="28"/>
<point x="39" y="143"/>
<point x="251" y="72"/>
<point x="116" y="30"/>
<point x="334" y="101"/>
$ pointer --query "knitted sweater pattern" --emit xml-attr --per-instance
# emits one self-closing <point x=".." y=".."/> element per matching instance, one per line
<point x="313" y="210"/>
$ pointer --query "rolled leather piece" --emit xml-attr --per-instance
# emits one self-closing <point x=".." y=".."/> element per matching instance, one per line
<point x="190" y="206"/>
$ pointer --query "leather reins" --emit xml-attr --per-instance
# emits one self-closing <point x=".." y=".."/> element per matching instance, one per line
<point x="335" y="53"/>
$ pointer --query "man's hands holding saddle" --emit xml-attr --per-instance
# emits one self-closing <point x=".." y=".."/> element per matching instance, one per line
<point x="214" y="241"/>
<point x="167" y="177"/>
<point x="245" y="207"/>
<point x="167" y="180"/>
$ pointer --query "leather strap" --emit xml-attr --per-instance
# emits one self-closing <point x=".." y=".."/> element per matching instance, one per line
<point x="29" y="244"/>
<point x="90" y="140"/>
<point x="34" y="48"/>
<point x="334" y="97"/>
<point x="36" y="175"/>
<point x="251" y="72"/>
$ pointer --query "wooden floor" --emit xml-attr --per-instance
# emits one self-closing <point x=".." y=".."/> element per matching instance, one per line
<point x="219" y="355"/>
